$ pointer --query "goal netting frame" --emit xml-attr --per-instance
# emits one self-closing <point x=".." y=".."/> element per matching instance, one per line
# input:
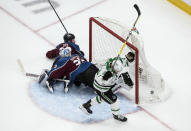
<point x="98" y="22"/>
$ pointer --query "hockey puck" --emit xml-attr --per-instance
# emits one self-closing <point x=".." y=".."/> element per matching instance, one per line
<point x="152" y="92"/>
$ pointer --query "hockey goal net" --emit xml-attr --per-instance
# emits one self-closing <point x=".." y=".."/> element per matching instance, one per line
<point x="106" y="37"/>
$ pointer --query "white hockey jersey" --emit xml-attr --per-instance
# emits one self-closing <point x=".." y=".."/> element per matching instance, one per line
<point x="115" y="81"/>
<point x="104" y="85"/>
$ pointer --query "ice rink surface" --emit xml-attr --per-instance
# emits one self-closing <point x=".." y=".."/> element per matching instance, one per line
<point x="27" y="35"/>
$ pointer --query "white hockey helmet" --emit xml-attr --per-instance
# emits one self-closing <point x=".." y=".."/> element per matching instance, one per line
<point x="65" y="52"/>
<point x="117" y="66"/>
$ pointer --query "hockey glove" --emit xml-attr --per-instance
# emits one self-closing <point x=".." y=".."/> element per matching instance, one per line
<point x="107" y="75"/>
<point x="127" y="79"/>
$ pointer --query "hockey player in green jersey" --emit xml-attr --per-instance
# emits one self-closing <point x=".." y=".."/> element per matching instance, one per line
<point x="109" y="76"/>
<point x="129" y="58"/>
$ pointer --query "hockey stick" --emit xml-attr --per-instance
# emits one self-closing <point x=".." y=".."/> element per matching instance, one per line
<point x="34" y="75"/>
<point x="23" y="70"/>
<point x="63" y="80"/>
<point x="130" y="32"/>
<point x="58" y="16"/>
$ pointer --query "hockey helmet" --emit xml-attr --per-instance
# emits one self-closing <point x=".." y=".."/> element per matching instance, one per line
<point x="110" y="63"/>
<point x="68" y="37"/>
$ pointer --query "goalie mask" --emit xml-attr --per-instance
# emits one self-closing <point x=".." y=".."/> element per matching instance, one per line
<point x="64" y="52"/>
<point x="68" y="37"/>
<point x="130" y="56"/>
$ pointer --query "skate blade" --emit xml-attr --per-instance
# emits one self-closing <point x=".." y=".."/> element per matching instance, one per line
<point x="84" y="110"/>
<point x="51" y="90"/>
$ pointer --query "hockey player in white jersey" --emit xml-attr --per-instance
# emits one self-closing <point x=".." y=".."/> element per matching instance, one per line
<point x="109" y="76"/>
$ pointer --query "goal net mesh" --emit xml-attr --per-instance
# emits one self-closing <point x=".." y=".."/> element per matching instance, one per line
<point x="106" y="39"/>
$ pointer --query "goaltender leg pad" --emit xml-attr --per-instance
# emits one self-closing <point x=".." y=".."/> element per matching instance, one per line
<point x="66" y="105"/>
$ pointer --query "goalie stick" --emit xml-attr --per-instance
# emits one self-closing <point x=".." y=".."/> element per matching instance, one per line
<point x="35" y="75"/>
<point x="130" y="32"/>
<point x="66" y="81"/>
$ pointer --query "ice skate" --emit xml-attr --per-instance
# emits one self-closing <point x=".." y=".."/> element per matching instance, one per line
<point x="49" y="86"/>
<point x="120" y="118"/>
<point x="86" y="108"/>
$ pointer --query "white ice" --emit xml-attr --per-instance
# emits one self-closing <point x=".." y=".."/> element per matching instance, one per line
<point x="166" y="32"/>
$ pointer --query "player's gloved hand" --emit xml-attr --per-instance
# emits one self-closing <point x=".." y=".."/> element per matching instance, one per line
<point x="127" y="79"/>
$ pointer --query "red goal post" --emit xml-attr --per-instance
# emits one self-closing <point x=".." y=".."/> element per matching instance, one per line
<point x="112" y="33"/>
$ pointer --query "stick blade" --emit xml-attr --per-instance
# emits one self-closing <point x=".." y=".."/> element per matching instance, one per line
<point x="21" y="66"/>
<point x="137" y="8"/>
